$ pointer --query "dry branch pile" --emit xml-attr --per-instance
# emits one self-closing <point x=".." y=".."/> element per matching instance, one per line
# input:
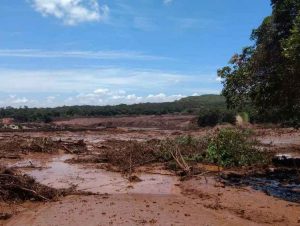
<point x="17" y="187"/>
<point x="127" y="155"/>
<point x="19" y="144"/>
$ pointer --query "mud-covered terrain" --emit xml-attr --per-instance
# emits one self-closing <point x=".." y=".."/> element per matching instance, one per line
<point x="117" y="176"/>
<point x="150" y="121"/>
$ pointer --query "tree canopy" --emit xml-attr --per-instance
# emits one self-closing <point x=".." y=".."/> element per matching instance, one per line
<point x="266" y="76"/>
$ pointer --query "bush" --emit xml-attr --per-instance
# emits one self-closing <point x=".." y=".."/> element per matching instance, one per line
<point x="214" y="117"/>
<point x="191" y="148"/>
<point x="233" y="147"/>
<point x="180" y="152"/>
<point x="292" y="122"/>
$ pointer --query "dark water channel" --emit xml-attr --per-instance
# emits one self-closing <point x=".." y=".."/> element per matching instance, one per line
<point x="280" y="183"/>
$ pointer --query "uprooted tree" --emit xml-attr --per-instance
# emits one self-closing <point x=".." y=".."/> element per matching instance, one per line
<point x="266" y="77"/>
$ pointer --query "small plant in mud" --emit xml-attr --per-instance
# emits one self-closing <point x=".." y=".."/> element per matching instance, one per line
<point x="234" y="147"/>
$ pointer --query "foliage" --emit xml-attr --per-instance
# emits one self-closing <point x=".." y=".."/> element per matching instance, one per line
<point x="214" y="117"/>
<point x="180" y="152"/>
<point x="190" y="147"/>
<point x="244" y="116"/>
<point x="266" y="76"/>
<point x="191" y="105"/>
<point x="232" y="147"/>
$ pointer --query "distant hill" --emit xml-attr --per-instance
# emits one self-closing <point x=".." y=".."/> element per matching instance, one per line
<point x="188" y="105"/>
<point x="204" y="100"/>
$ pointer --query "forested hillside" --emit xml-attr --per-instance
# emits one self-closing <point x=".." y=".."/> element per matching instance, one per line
<point x="188" y="105"/>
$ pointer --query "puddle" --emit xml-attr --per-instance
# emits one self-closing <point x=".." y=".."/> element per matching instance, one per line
<point x="59" y="174"/>
<point x="283" y="184"/>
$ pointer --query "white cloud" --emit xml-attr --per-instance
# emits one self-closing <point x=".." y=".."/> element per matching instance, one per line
<point x="22" y="100"/>
<point x="161" y="97"/>
<point x="166" y="2"/>
<point x="218" y="79"/>
<point x="99" y="86"/>
<point x="72" y="12"/>
<point x="101" y="91"/>
<point x="112" y="97"/>
<point x="16" y="101"/>
<point x="50" y="99"/>
<point x="107" y="55"/>
<point x="81" y="80"/>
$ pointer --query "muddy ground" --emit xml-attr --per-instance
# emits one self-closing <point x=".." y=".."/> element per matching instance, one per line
<point x="152" y="194"/>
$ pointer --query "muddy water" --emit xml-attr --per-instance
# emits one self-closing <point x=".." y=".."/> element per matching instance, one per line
<point x="281" y="183"/>
<point x="289" y="192"/>
<point x="59" y="174"/>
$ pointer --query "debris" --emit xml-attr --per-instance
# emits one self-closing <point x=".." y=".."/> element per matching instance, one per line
<point x="127" y="155"/>
<point x="134" y="178"/>
<point x="5" y="216"/>
<point x="17" y="187"/>
<point x="12" y="147"/>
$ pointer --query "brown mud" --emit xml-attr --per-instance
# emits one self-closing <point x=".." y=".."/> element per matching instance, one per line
<point x="149" y="193"/>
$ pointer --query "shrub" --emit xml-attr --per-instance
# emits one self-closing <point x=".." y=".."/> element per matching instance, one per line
<point x="214" y="117"/>
<point x="189" y="146"/>
<point x="233" y="147"/>
<point x="292" y="122"/>
<point x="182" y="151"/>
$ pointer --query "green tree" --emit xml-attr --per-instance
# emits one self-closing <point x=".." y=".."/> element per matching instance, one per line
<point x="266" y="76"/>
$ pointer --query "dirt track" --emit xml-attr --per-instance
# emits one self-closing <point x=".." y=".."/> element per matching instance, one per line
<point x="159" y="199"/>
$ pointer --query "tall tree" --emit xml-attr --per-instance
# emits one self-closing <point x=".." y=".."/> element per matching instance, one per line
<point x="267" y="75"/>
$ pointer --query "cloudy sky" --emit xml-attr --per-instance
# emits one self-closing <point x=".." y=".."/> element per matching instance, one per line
<point x="98" y="52"/>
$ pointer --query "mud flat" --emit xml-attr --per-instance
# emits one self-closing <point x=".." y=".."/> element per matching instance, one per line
<point x="144" y="122"/>
<point x="151" y="194"/>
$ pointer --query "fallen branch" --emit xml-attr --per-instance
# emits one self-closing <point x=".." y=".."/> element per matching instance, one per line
<point x="32" y="191"/>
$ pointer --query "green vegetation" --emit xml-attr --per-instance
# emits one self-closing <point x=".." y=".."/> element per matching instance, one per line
<point x="227" y="147"/>
<point x="264" y="79"/>
<point x="214" y="117"/>
<point x="188" y="105"/>
<point x="233" y="147"/>
<point x="191" y="148"/>
<point x="244" y="116"/>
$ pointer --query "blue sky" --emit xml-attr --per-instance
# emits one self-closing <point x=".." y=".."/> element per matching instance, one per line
<point x="98" y="52"/>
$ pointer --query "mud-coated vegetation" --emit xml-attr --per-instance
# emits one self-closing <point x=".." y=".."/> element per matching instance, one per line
<point x="226" y="147"/>
<point x="22" y="145"/>
<point x="15" y="186"/>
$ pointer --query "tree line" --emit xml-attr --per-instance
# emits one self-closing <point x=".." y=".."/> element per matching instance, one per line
<point x="188" y="105"/>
